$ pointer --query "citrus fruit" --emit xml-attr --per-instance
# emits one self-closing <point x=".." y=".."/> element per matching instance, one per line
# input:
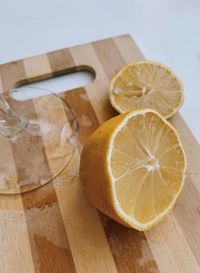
<point x="132" y="168"/>
<point x="146" y="84"/>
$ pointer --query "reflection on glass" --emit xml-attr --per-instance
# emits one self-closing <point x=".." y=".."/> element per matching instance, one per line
<point x="37" y="140"/>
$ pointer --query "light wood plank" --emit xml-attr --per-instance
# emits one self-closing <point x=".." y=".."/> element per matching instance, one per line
<point x="106" y="51"/>
<point x="170" y="248"/>
<point x="14" y="237"/>
<point x="14" y="248"/>
<point x="187" y="213"/>
<point x="1" y="84"/>
<point x="90" y="249"/>
<point x="128" y="48"/>
<point x="37" y="68"/>
<point x="8" y="174"/>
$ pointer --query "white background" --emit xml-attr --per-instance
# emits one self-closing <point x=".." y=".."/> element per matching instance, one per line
<point x="167" y="31"/>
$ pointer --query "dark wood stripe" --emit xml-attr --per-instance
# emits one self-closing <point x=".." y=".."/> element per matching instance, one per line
<point x="124" y="242"/>
<point x="81" y="106"/>
<point x="22" y="153"/>
<point x="130" y="249"/>
<point x="60" y="61"/>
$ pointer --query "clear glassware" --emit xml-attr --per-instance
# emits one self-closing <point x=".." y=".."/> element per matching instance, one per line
<point x="38" y="138"/>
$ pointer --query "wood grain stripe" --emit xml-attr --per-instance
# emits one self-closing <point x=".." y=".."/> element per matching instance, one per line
<point x="107" y="51"/>
<point x="170" y="248"/>
<point x="60" y="61"/>
<point x="49" y="243"/>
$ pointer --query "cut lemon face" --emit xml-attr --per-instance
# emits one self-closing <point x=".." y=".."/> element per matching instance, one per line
<point x="133" y="168"/>
<point x="146" y="84"/>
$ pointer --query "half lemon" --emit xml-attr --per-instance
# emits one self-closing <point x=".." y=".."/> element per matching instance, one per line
<point x="146" y="84"/>
<point x="133" y="167"/>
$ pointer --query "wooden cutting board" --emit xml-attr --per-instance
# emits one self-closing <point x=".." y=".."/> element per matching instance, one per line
<point x="55" y="229"/>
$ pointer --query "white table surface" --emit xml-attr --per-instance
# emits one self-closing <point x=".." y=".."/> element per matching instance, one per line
<point x="167" y="31"/>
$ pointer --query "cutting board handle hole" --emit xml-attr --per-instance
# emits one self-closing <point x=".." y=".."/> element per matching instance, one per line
<point x="62" y="81"/>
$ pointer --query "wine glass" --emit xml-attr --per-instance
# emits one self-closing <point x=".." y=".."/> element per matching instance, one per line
<point x="38" y="138"/>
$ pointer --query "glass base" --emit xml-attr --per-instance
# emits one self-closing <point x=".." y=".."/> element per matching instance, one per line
<point x="42" y="150"/>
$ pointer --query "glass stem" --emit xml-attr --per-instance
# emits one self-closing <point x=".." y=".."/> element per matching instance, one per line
<point x="11" y="124"/>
